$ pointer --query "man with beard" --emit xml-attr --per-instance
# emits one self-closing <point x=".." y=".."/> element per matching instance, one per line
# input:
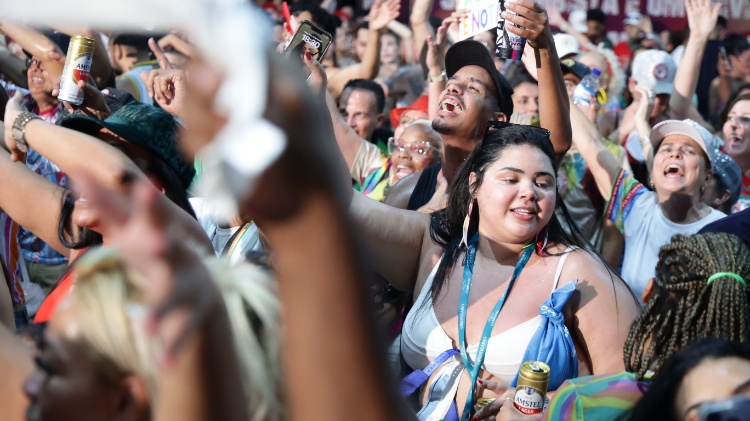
<point x="476" y="93"/>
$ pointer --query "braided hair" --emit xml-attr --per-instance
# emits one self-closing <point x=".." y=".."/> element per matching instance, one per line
<point x="684" y="307"/>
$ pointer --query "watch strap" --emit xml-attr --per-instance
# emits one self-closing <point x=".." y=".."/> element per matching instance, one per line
<point x="19" y="129"/>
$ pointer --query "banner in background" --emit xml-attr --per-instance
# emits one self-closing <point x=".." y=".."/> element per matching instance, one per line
<point x="482" y="17"/>
<point x="665" y="14"/>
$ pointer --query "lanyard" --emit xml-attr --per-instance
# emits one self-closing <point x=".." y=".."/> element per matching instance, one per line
<point x="372" y="181"/>
<point x="463" y="304"/>
<point x="235" y="239"/>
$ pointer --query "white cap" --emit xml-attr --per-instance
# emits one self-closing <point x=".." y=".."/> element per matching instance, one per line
<point x="655" y="69"/>
<point x="633" y="18"/>
<point x="688" y="128"/>
<point x="577" y="19"/>
<point x="566" y="44"/>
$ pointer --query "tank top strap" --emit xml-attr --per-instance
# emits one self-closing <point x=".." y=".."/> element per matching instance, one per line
<point x="560" y="265"/>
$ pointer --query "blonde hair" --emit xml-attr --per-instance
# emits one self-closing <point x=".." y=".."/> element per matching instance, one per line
<point x="108" y="307"/>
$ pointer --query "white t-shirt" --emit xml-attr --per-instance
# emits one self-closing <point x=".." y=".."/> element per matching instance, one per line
<point x="636" y="212"/>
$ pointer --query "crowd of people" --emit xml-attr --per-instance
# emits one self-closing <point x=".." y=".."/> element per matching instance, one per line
<point x="439" y="215"/>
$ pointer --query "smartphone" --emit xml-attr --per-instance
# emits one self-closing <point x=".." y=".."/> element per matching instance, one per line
<point x="725" y="57"/>
<point x="736" y="408"/>
<point x="308" y="38"/>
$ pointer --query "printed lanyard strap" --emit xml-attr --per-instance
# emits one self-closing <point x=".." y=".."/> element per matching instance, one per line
<point x="473" y="369"/>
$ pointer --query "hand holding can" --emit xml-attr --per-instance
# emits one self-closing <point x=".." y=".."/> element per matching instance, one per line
<point x="77" y="68"/>
<point x="528" y="20"/>
<point x="508" y="44"/>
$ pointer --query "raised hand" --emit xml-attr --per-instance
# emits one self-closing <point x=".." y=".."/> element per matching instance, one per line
<point x="528" y="20"/>
<point x="164" y="63"/>
<point x="701" y="17"/>
<point x="168" y="88"/>
<point x="383" y="12"/>
<point x="93" y="103"/>
<point x="435" y="59"/>
<point x="452" y="23"/>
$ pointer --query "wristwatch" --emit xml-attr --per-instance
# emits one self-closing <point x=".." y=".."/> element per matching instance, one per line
<point x="19" y="129"/>
<point x="442" y="78"/>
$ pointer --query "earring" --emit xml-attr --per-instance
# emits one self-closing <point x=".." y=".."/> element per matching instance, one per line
<point x="467" y="221"/>
<point x="542" y="245"/>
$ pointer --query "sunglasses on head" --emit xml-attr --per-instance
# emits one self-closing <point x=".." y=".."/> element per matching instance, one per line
<point x="494" y="125"/>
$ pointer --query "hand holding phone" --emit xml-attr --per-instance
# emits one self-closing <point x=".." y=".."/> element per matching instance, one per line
<point x="308" y="39"/>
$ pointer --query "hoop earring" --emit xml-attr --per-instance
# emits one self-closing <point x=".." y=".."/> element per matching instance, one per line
<point x="465" y="238"/>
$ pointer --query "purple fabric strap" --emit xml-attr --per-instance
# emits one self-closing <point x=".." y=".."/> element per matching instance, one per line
<point x="416" y="379"/>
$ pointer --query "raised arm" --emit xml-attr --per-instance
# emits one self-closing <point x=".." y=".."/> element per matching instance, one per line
<point x="31" y="201"/>
<point x="419" y="19"/>
<point x="701" y="21"/>
<point x="381" y="14"/>
<point x="36" y="44"/>
<point x="602" y="164"/>
<point x="554" y="107"/>
<point x="348" y="140"/>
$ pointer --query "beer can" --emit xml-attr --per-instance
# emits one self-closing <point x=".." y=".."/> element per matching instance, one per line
<point x="77" y="67"/>
<point x="507" y="45"/>
<point x="531" y="390"/>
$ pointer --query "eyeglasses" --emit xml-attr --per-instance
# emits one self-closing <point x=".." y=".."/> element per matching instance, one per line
<point x="494" y="125"/>
<point x="31" y="62"/>
<point x="414" y="149"/>
<point x="739" y="120"/>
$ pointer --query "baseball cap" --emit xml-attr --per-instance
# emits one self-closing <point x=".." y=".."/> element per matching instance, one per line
<point x="566" y="44"/>
<point x="422" y="104"/>
<point x="474" y="53"/>
<point x="571" y="66"/>
<point x="577" y="19"/>
<point x="688" y="128"/>
<point x="729" y="173"/>
<point x="633" y="18"/>
<point x="144" y="125"/>
<point x="655" y="69"/>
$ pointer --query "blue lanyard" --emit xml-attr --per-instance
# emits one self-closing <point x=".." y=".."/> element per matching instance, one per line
<point x="463" y="304"/>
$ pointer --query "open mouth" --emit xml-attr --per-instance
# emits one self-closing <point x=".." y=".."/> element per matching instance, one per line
<point x="674" y="170"/>
<point x="450" y="105"/>
<point x="526" y="213"/>
<point x="402" y="171"/>
<point x="35" y="79"/>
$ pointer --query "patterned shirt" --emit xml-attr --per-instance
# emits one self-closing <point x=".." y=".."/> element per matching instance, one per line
<point x="32" y="248"/>
<point x="600" y="397"/>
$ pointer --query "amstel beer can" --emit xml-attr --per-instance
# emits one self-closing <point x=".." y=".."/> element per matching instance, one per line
<point x="507" y="44"/>
<point x="77" y="67"/>
<point x="531" y="390"/>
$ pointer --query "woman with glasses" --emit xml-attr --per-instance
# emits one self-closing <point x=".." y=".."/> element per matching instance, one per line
<point x="496" y="279"/>
<point x="737" y="144"/>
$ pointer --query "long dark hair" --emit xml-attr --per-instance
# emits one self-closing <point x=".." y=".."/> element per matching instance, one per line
<point x="659" y="402"/>
<point x="446" y="225"/>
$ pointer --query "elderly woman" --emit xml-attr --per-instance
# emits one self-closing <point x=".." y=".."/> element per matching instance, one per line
<point x="681" y="171"/>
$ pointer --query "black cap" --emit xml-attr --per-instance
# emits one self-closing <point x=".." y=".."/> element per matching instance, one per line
<point x="571" y="66"/>
<point x="474" y="53"/>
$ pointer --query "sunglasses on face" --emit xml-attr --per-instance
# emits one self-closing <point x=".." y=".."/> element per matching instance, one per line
<point x="31" y="62"/>
<point x="493" y="126"/>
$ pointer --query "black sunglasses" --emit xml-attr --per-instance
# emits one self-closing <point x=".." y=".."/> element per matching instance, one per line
<point x="494" y="125"/>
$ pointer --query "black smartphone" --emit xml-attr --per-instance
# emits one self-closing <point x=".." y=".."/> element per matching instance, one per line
<point x="308" y="39"/>
<point x="736" y="408"/>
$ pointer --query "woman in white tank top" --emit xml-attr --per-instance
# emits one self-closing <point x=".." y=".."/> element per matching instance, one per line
<point x="498" y="250"/>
